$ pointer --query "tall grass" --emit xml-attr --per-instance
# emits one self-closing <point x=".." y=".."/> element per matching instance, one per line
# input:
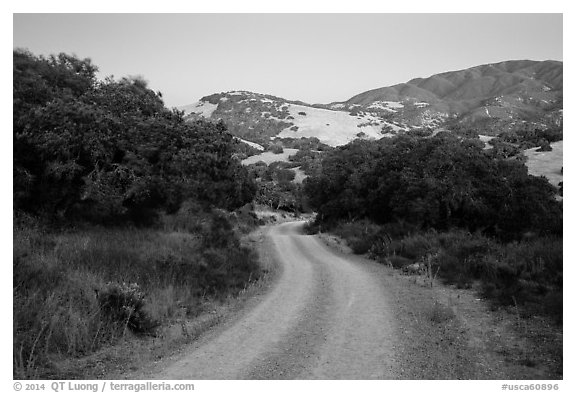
<point x="75" y="291"/>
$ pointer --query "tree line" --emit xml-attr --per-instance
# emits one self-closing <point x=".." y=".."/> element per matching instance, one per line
<point x="441" y="182"/>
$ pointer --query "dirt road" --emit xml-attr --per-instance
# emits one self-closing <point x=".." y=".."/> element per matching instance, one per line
<point x="325" y="318"/>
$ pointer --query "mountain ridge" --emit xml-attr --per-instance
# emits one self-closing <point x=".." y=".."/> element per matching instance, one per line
<point x="495" y="97"/>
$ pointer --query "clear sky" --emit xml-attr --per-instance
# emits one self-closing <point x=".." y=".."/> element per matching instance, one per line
<point x="316" y="58"/>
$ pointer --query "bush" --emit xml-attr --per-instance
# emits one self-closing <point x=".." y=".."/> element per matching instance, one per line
<point x="415" y="247"/>
<point x="124" y="304"/>
<point x="544" y="146"/>
<point x="276" y="148"/>
<point x="399" y="229"/>
<point x="359" y="235"/>
<point x="398" y="262"/>
<point x="283" y="175"/>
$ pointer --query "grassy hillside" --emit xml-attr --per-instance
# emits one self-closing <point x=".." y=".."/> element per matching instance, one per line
<point x="261" y="118"/>
<point x="489" y="99"/>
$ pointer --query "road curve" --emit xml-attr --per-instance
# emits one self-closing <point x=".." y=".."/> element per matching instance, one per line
<point x="326" y="317"/>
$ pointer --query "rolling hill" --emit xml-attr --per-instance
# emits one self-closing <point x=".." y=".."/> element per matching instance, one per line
<point x="258" y="118"/>
<point x="496" y="96"/>
<point x="490" y="98"/>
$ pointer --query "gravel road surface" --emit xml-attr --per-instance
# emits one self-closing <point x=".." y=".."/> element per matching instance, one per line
<point x="326" y="317"/>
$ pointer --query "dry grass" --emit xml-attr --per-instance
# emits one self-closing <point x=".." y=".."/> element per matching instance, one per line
<point x="77" y="291"/>
<point x="546" y="163"/>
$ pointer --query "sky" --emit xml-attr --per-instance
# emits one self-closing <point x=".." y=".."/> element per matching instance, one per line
<point x="316" y="58"/>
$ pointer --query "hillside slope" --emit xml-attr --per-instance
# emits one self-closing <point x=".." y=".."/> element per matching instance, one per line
<point x="502" y="94"/>
<point x="490" y="98"/>
<point x="258" y="118"/>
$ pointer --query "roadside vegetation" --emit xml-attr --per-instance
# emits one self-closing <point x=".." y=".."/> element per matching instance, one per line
<point x="474" y="219"/>
<point x="127" y="219"/>
<point x="276" y="188"/>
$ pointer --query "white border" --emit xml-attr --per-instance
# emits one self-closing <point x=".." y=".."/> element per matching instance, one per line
<point x="260" y="6"/>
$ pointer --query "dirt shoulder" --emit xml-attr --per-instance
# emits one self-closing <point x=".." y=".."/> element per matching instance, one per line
<point x="450" y="333"/>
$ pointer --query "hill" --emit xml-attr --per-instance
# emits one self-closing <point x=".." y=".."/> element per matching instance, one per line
<point x="495" y="96"/>
<point x="258" y="118"/>
<point x="489" y="98"/>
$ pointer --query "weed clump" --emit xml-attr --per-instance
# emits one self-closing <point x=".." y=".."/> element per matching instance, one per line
<point x="124" y="304"/>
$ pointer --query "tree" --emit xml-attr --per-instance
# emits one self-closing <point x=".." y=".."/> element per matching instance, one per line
<point x="110" y="149"/>
<point x="438" y="182"/>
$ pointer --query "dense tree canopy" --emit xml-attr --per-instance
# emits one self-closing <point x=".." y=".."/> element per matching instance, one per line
<point x="110" y="149"/>
<point x="440" y="182"/>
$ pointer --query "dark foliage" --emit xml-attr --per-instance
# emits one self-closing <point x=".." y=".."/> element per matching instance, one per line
<point x="529" y="137"/>
<point x="276" y="148"/>
<point x="110" y="150"/>
<point x="440" y="182"/>
<point x="124" y="304"/>
<point x="304" y="143"/>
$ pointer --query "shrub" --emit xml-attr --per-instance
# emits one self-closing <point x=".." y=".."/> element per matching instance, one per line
<point x="544" y="146"/>
<point x="124" y="304"/>
<point x="360" y="235"/>
<point x="538" y="259"/>
<point x="284" y="175"/>
<point x="415" y="247"/>
<point x="398" y="262"/>
<point x="276" y="148"/>
<point x="257" y="169"/>
<point x="227" y="270"/>
<point x="399" y="229"/>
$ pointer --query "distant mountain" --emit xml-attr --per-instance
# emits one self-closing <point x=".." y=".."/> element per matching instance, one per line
<point x="491" y="98"/>
<point x="499" y="95"/>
